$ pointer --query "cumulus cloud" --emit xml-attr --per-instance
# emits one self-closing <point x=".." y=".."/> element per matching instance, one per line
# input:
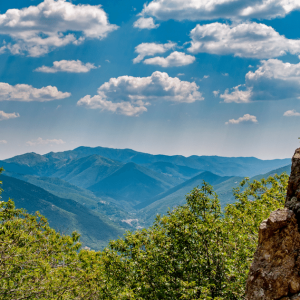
<point x="245" y="118"/>
<point x="252" y="40"/>
<point x="70" y="66"/>
<point x="218" y="9"/>
<point x="7" y="116"/>
<point x="216" y="93"/>
<point x="291" y="113"/>
<point x="150" y="49"/>
<point x="27" y="93"/>
<point x="3" y="142"/>
<point x="145" y="23"/>
<point x="130" y="96"/>
<point x="41" y="141"/>
<point x="175" y="59"/>
<point x="36" y="30"/>
<point x="273" y="80"/>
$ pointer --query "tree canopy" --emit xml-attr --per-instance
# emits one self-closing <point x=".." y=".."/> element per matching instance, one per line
<point x="196" y="251"/>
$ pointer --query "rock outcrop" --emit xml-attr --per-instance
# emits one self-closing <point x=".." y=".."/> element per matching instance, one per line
<point x="275" y="271"/>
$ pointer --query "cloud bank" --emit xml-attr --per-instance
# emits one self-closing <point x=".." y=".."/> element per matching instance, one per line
<point x="194" y="10"/>
<point x="70" y="66"/>
<point x="27" y="93"/>
<point x="7" y="116"/>
<point x="245" y="118"/>
<point x="175" y="59"/>
<point x="273" y="80"/>
<point x="130" y="96"/>
<point x="150" y="49"/>
<point x="36" y="30"/>
<point x="253" y="40"/>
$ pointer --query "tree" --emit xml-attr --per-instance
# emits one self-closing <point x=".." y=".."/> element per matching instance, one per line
<point x="196" y="251"/>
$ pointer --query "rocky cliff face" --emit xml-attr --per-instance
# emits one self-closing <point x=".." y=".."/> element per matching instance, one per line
<point x="275" y="271"/>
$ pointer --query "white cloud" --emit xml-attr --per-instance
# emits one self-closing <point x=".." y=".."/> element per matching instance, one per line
<point x="218" y="9"/>
<point x="27" y="93"/>
<point x="237" y="95"/>
<point x="145" y="23"/>
<point x="36" y="30"/>
<point x="70" y="66"/>
<point x="205" y="76"/>
<point x="180" y="74"/>
<point x="129" y="95"/>
<point x="175" y="59"/>
<point x="245" y="118"/>
<point x="216" y="93"/>
<point x="252" y="40"/>
<point x="3" y="142"/>
<point x="40" y="141"/>
<point x="7" y="116"/>
<point x="291" y="113"/>
<point x="150" y="49"/>
<point x="273" y="80"/>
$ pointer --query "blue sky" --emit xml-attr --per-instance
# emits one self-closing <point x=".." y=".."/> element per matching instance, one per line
<point x="218" y="77"/>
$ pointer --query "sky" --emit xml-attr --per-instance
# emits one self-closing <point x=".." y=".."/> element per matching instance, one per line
<point x="188" y="77"/>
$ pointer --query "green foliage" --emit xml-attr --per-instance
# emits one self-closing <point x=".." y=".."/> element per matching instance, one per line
<point x="196" y="251"/>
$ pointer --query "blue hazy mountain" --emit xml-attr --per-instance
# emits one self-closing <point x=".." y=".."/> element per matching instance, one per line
<point x="63" y="189"/>
<point x="87" y="171"/>
<point x="187" y="186"/>
<point x="176" y="196"/>
<point x="132" y="183"/>
<point x="64" y="215"/>
<point x="223" y="186"/>
<point x="182" y="173"/>
<point x="101" y="191"/>
<point x="223" y="166"/>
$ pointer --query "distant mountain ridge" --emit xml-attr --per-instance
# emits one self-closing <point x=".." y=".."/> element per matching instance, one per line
<point x="103" y="189"/>
<point x="223" y="166"/>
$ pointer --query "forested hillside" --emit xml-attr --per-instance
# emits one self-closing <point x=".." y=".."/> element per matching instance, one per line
<point x="101" y="197"/>
<point x="196" y="251"/>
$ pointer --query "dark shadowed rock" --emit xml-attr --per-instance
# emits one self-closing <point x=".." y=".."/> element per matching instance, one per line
<point x="275" y="271"/>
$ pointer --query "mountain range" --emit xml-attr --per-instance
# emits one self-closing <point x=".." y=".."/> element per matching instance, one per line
<point x="101" y="192"/>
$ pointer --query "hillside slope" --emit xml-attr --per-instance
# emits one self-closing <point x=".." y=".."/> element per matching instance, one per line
<point x="63" y="215"/>
<point x="132" y="183"/>
<point x="187" y="186"/>
<point x="176" y="196"/>
<point x="87" y="171"/>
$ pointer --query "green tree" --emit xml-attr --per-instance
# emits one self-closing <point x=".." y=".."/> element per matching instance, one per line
<point x="196" y="251"/>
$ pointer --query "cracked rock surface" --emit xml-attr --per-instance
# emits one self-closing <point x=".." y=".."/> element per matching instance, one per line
<point x="275" y="270"/>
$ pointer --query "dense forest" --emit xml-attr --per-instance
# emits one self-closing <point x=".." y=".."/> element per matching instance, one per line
<point x="196" y="251"/>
